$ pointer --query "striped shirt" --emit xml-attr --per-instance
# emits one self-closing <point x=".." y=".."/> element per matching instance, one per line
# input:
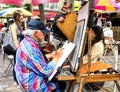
<point x="31" y="68"/>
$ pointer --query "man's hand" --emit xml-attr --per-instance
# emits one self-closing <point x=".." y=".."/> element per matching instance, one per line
<point x="61" y="19"/>
<point x="50" y="55"/>
<point x="57" y="55"/>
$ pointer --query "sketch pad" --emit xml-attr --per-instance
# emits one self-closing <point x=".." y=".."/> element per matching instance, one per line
<point x="67" y="49"/>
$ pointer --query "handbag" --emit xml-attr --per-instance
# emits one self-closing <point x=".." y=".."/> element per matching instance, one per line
<point x="8" y="44"/>
<point x="9" y="50"/>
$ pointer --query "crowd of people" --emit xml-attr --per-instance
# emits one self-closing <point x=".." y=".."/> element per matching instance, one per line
<point x="32" y="66"/>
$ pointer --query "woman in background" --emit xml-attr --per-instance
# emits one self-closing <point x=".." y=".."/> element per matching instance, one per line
<point x="97" y="49"/>
<point x="16" y="30"/>
<point x="16" y="27"/>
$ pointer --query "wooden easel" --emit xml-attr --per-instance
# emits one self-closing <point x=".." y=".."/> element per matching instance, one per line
<point x="83" y="73"/>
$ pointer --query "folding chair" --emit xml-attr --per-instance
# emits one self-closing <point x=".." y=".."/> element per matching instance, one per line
<point x="10" y="58"/>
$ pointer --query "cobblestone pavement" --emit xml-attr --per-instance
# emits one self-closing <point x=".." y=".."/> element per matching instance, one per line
<point x="6" y="81"/>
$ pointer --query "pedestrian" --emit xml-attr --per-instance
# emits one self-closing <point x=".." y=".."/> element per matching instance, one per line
<point x="1" y="25"/>
<point x="2" y="33"/>
<point x="108" y="35"/>
<point x="58" y="36"/>
<point x="31" y="68"/>
<point x="16" y="30"/>
<point x="98" y="20"/>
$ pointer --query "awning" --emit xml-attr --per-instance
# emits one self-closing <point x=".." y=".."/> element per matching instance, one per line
<point x="49" y="15"/>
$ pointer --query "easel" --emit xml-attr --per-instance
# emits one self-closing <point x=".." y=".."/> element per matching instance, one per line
<point x="83" y="75"/>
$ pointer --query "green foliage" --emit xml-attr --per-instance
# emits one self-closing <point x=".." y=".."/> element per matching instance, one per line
<point x="10" y="6"/>
<point x="28" y="7"/>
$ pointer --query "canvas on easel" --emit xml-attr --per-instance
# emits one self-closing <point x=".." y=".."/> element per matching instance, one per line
<point x="79" y="36"/>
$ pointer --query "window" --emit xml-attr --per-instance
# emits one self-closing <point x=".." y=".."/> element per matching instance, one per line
<point x="47" y="5"/>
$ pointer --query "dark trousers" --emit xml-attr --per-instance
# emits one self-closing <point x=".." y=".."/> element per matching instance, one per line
<point x="60" y="85"/>
<point x="14" y="74"/>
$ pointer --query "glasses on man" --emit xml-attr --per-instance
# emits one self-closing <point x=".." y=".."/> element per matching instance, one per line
<point x="66" y="7"/>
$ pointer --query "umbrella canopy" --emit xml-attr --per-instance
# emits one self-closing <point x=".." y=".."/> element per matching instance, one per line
<point x="9" y="12"/>
<point x="13" y="2"/>
<point x="106" y="5"/>
<point x="20" y="2"/>
<point x="76" y="6"/>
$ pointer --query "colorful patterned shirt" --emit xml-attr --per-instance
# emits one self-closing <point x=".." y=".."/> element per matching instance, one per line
<point x="31" y="68"/>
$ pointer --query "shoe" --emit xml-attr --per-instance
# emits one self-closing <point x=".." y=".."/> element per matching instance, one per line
<point x="15" y="83"/>
<point x="18" y="86"/>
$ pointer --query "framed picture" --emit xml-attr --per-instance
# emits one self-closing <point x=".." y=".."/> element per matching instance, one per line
<point x="78" y="40"/>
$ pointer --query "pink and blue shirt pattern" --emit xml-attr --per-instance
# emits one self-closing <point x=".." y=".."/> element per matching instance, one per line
<point x="31" y="68"/>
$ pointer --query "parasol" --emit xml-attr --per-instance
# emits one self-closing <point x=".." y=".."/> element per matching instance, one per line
<point x="76" y="6"/>
<point x="20" y="2"/>
<point x="9" y="12"/>
<point x="106" y="5"/>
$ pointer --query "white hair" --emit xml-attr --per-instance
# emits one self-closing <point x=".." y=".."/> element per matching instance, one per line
<point x="28" y="32"/>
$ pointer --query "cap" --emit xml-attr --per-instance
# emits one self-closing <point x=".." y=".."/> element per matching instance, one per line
<point x="37" y="25"/>
<point x="3" y="29"/>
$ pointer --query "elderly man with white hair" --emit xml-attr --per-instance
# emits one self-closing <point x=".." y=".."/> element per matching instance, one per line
<point x="31" y="68"/>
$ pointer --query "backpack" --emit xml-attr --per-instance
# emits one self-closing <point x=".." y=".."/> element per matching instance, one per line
<point x="8" y="44"/>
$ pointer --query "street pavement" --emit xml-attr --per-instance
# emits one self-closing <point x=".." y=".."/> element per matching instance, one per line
<point x="6" y="81"/>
